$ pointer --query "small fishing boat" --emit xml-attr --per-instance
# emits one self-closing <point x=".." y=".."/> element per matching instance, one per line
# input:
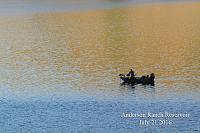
<point x="144" y="80"/>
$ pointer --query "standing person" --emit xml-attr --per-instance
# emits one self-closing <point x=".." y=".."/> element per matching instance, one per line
<point x="131" y="74"/>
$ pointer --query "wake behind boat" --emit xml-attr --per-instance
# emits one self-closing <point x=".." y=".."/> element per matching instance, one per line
<point x="132" y="80"/>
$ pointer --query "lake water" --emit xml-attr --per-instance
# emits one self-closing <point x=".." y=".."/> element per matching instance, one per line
<point x="59" y="70"/>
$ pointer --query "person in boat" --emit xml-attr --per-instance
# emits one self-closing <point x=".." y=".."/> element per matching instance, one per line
<point x="131" y="74"/>
<point x="152" y="76"/>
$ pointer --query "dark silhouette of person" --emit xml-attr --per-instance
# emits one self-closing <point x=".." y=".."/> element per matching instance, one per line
<point x="152" y="76"/>
<point x="131" y="74"/>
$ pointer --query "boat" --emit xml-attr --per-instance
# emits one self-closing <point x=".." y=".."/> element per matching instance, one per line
<point x="144" y="80"/>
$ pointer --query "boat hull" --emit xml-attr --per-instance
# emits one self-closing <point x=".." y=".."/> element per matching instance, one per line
<point x="138" y="80"/>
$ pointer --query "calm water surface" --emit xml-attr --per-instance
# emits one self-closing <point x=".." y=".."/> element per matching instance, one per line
<point x="59" y="71"/>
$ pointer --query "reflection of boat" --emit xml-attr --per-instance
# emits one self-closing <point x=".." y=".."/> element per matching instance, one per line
<point x="145" y="80"/>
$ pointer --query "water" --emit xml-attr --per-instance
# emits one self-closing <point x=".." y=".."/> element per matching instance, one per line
<point x="88" y="116"/>
<point x="18" y="7"/>
<point x="59" y="71"/>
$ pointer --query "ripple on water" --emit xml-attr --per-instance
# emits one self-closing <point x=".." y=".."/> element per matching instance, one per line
<point x="60" y="72"/>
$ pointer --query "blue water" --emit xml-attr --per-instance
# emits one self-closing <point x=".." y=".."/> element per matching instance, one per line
<point x="99" y="113"/>
<point x="92" y="116"/>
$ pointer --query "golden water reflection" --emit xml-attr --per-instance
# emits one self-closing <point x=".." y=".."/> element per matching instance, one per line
<point x="89" y="49"/>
